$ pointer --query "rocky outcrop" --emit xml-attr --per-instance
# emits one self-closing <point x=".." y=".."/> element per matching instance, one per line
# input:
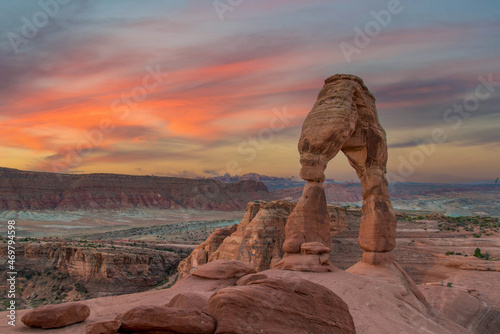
<point x="279" y="305"/>
<point x="22" y="190"/>
<point x="55" y="316"/>
<point x="344" y="117"/>
<point x="202" y="253"/>
<point x="98" y="271"/>
<point x="258" y="239"/>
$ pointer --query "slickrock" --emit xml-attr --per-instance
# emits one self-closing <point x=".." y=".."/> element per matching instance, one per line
<point x="462" y="307"/>
<point x="156" y="319"/>
<point x="55" y="316"/>
<point x="344" y="117"/>
<point x="103" y="327"/>
<point x="279" y="305"/>
<point x="223" y="269"/>
<point x="190" y="300"/>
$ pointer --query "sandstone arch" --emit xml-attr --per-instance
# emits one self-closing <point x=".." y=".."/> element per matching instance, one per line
<point x="344" y="118"/>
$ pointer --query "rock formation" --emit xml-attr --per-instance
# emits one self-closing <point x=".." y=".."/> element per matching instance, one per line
<point x="22" y="190"/>
<point x="55" y="316"/>
<point x="98" y="271"/>
<point x="258" y="239"/>
<point x="344" y="117"/>
<point x="103" y="327"/>
<point x="190" y="300"/>
<point x="224" y="269"/>
<point x="154" y="319"/>
<point x="261" y="304"/>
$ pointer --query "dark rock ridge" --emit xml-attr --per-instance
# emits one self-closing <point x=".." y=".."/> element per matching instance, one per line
<point x="23" y="190"/>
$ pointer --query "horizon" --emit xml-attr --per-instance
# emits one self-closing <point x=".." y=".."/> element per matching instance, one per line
<point x="290" y="178"/>
<point x="175" y="89"/>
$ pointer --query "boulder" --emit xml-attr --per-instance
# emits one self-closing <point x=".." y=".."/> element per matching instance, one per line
<point x="55" y="316"/>
<point x="223" y="269"/>
<point x="166" y="320"/>
<point x="279" y="305"/>
<point x="191" y="300"/>
<point x="103" y="327"/>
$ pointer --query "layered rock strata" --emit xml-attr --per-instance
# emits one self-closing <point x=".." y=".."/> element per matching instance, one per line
<point x="344" y="118"/>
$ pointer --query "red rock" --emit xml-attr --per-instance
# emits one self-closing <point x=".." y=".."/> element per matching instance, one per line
<point x="259" y="237"/>
<point x="314" y="248"/>
<point x="105" y="271"/>
<point x="344" y="117"/>
<point x="55" y="316"/>
<point x="273" y="305"/>
<point x="309" y="225"/>
<point x="306" y="262"/>
<point x="460" y="306"/>
<point x="166" y="320"/>
<point x="201" y="253"/>
<point x="191" y="300"/>
<point x="22" y="190"/>
<point x="103" y="327"/>
<point x="223" y="269"/>
<point x="309" y="221"/>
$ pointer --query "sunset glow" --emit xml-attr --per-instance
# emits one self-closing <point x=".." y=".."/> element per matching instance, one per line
<point x="169" y="89"/>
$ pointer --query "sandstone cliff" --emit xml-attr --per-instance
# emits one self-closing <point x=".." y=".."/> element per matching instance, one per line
<point x="57" y="271"/>
<point x="22" y="190"/>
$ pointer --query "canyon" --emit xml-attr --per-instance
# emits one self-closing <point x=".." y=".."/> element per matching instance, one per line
<point x="62" y="271"/>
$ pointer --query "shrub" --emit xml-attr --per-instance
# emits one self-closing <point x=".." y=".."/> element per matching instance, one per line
<point x="449" y="284"/>
<point x="477" y="253"/>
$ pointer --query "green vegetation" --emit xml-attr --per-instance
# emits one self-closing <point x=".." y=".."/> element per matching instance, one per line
<point x="478" y="254"/>
<point x="477" y="224"/>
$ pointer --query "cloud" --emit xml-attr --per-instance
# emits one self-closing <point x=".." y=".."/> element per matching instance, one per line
<point x="225" y="79"/>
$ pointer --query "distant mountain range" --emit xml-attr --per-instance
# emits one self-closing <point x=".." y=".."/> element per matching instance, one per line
<point x="454" y="199"/>
<point x="449" y="199"/>
<point x="22" y="190"/>
<point x="273" y="183"/>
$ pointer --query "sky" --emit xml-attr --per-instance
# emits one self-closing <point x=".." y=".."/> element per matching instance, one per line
<point x="204" y="88"/>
